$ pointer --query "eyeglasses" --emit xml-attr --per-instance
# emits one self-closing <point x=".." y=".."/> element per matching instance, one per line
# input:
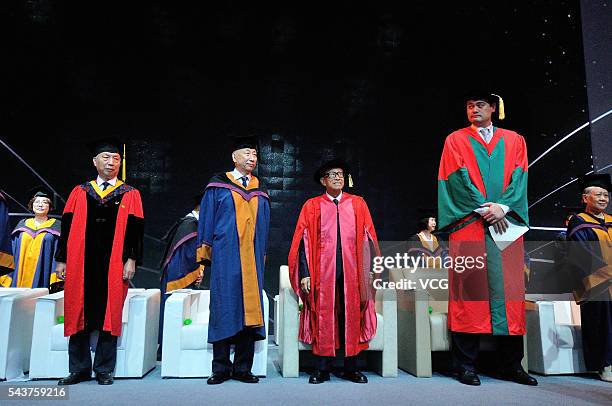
<point x="335" y="175"/>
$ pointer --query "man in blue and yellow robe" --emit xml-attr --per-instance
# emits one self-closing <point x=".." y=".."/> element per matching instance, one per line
<point x="232" y="239"/>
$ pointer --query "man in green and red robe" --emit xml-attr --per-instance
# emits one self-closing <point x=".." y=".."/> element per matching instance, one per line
<point x="482" y="182"/>
<point x="100" y="245"/>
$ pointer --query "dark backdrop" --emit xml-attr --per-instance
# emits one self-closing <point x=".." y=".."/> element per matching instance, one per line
<point x="380" y="85"/>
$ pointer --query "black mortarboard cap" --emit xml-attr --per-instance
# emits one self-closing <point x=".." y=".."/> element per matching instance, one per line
<point x="480" y="94"/>
<point x="245" y="141"/>
<point x="109" y="144"/>
<point x="491" y="98"/>
<point x="41" y="191"/>
<point x="597" y="179"/>
<point x="334" y="163"/>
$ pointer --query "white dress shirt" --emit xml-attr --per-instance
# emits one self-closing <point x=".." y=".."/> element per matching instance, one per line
<point x="237" y="175"/>
<point x="195" y="214"/>
<point x="100" y="181"/>
<point x="332" y="198"/>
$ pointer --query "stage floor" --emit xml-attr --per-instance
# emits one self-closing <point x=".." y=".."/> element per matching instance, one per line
<point x="275" y="390"/>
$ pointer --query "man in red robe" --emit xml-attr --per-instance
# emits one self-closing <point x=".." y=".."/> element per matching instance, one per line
<point x="329" y="271"/>
<point x="482" y="183"/>
<point x="99" y="248"/>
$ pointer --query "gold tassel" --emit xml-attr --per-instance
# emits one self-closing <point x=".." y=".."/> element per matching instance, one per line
<point x="500" y="107"/>
<point x="350" y="180"/>
<point x="123" y="170"/>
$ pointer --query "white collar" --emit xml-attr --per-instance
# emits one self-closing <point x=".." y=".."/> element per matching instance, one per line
<point x="237" y="174"/>
<point x="332" y="198"/>
<point x="100" y="181"/>
<point x="194" y="214"/>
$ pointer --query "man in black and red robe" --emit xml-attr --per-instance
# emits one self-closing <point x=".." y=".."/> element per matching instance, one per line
<point x="100" y="246"/>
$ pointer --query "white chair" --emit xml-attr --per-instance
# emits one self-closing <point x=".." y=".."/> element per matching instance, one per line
<point x="136" y="347"/>
<point x="422" y="317"/>
<point x="383" y="346"/>
<point x="16" y="319"/>
<point x="186" y="352"/>
<point x="555" y="337"/>
<point x="283" y="281"/>
<point x="276" y="318"/>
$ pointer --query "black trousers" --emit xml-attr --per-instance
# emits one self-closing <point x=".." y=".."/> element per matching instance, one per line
<point x="350" y="363"/>
<point x="244" y="351"/>
<point x="465" y="349"/>
<point x="79" y="357"/>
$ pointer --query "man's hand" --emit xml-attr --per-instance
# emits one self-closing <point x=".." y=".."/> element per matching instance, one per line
<point x="501" y="226"/>
<point x="60" y="270"/>
<point x="198" y="281"/>
<point x="494" y="214"/>
<point x="129" y="269"/>
<point x="305" y="283"/>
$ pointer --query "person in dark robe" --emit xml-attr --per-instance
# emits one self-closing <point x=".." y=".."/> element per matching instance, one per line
<point x="100" y="246"/>
<point x="590" y="256"/>
<point x="232" y="242"/>
<point x="7" y="263"/>
<point x="34" y="244"/>
<point x="482" y="184"/>
<point x="179" y="268"/>
<point x="329" y="271"/>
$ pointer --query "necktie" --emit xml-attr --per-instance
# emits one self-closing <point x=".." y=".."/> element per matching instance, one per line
<point x="245" y="181"/>
<point x="339" y="265"/>
<point x="485" y="134"/>
<point x="105" y="185"/>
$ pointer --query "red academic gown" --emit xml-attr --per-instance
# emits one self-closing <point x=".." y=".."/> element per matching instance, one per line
<point x="73" y="247"/>
<point x="317" y="230"/>
<point x="488" y="299"/>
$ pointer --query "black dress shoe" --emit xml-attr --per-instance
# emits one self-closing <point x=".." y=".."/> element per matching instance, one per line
<point x="469" y="378"/>
<point x="520" y="376"/>
<point x="245" y="377"/>
<point x="74" y="378"/>
<point x="354" y="376"/>
<point x="217" y="378"/>
<point x="104" y="378"/>
<point x="318" y="377"/>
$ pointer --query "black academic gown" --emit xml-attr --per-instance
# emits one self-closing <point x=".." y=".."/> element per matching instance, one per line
<point x="101" y="220"/>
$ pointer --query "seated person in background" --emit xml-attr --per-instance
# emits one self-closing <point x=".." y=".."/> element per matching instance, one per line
<point x="34" y="243"/>
<point x="6" y="253"/>
<point x="426" y="245"/>
<point x="590" y="262"/>
<point x="179" y="268"/>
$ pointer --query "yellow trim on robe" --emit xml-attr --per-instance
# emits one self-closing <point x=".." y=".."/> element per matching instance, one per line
<point x="253" y="183"/>
<point x="108" y="190"/>
<point x="7" y="260"/>
<point x="29" y="252"/>
<point x="203" y="253"/>
<point x="5" y="281"/>
<point x="184" y="281"/>
<point x="246" y="217"/>
<point x="430" y="260"/>
<point x="604" y="274"/>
